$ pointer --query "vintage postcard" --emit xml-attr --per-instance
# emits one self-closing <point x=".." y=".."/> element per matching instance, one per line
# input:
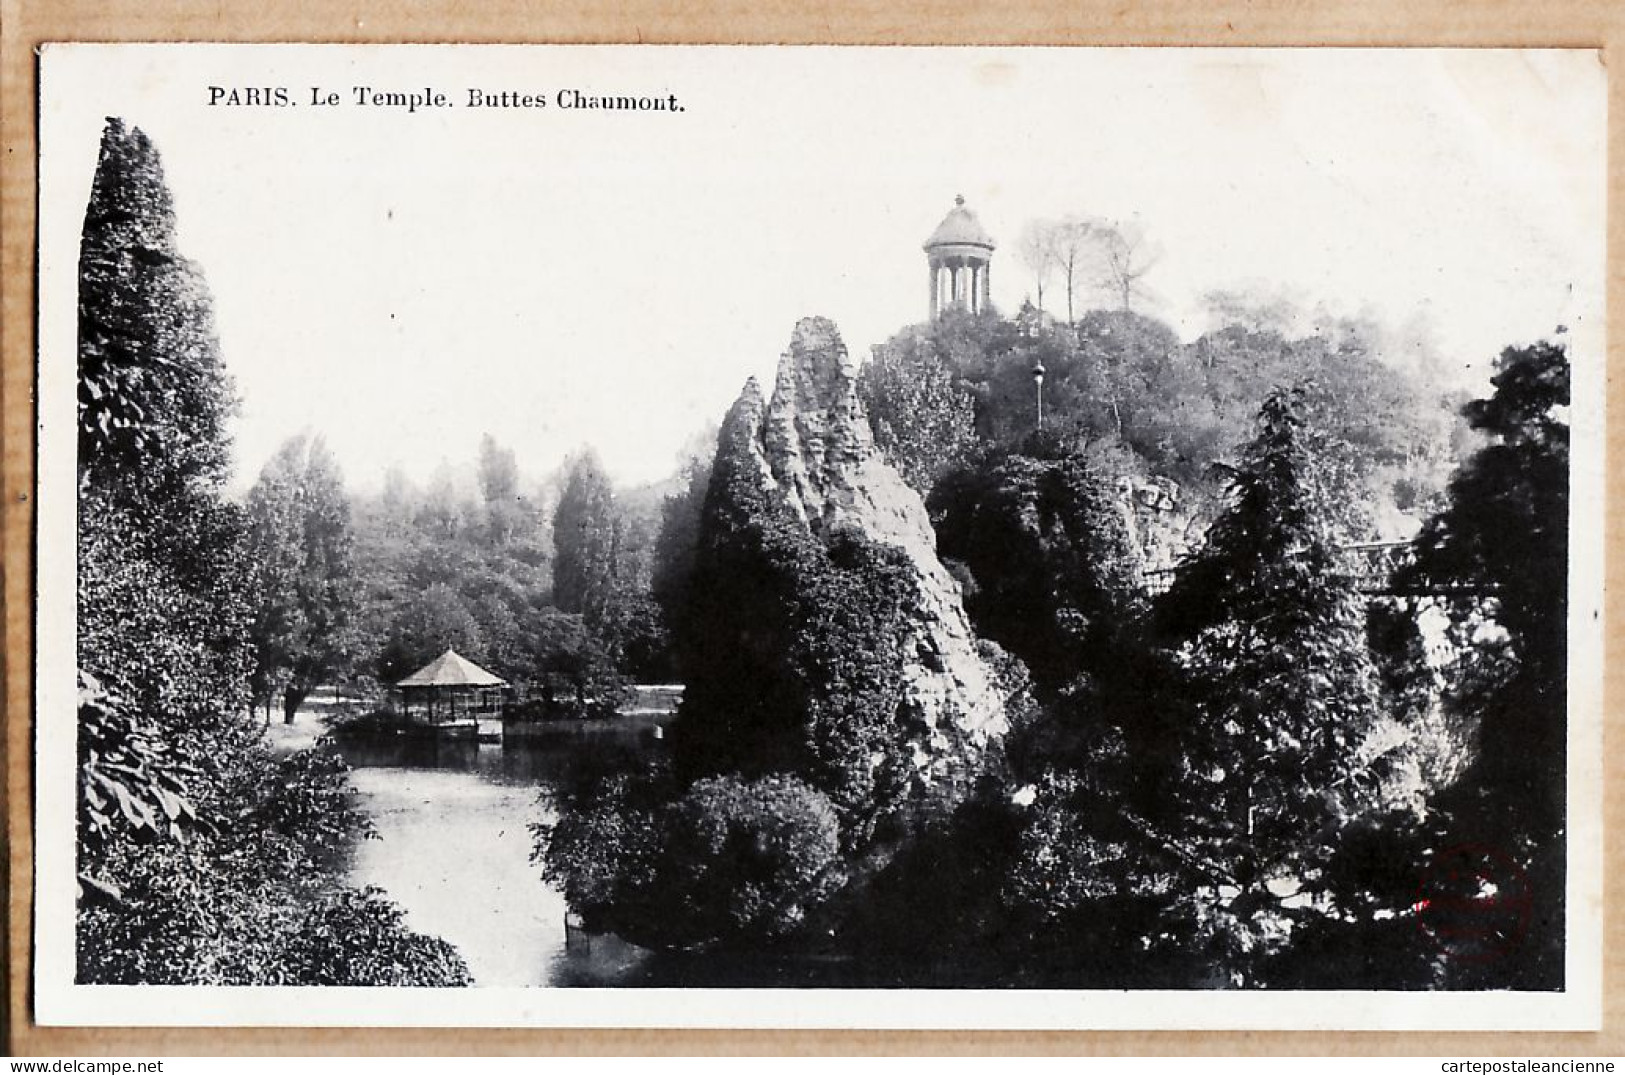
<point x="820" y="537"/>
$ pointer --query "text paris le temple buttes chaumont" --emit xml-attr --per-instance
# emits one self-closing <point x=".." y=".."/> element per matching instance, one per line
<point x="428" y="98"/>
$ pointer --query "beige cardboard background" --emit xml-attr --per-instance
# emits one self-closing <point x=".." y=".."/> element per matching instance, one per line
<point x="27" y="23"/>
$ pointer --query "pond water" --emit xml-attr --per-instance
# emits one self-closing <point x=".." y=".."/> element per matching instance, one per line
<point x="454" y="844"/>
<point x="453" y="850"/>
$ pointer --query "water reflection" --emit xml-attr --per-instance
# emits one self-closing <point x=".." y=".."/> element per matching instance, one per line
<point x="453" y="820"/>
<point x="454" y="844"/>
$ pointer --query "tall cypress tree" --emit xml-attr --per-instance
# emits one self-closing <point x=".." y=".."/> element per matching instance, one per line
<point x="584" y="542"/>
<point x="162" y="587"/>
<point x="153" y="394"/>
<point x="163" y="592"/>
<point x="1280" y="688"/>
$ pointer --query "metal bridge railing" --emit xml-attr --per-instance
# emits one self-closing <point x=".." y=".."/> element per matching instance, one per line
<point x="1370" y="564"/>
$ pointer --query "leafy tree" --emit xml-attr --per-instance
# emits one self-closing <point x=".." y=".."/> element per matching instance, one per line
<point x="1496" y="559"/>
<point x="432" y="622"/>
<point x="360" y="938"/>
<point x="153" y="395"/>
<point x="602" y="845"/>
<point x="676" y="546"/>
<point x="923" y="420"/>
<point x="300" y="540"/>
<point x="458" y="566"/>
<point x="1281" y="689"/>
<point x="585" y="541"/>
<point x="128" y="784"/>
<point x="445" y="511"/>
<point x="164" y="607"/>
<point x="202" y="858"/>
<point x="730" y="861"/>
<point x="1504" y="532"/>
<point x="1054" y="570"/>
<point x="253" y="900"/>
<point x="569" y="667"/>
<point x="499" y="489"/>
<point x="163" y="597"/>
<point x="748" y="860"/>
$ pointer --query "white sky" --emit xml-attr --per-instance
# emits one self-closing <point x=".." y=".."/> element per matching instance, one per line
<point x="404" y="283"/>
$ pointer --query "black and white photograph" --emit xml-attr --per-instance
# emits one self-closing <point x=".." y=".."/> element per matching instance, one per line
<point x="850" y="537"/>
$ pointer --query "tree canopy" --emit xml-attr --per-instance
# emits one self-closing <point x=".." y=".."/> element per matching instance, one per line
<point x="301" y="544"/>
<point x="1497" y="554"/>
<point x="202" y="858"/>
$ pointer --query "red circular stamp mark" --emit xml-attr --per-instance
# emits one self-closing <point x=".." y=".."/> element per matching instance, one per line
<point x="1474" y="902"/>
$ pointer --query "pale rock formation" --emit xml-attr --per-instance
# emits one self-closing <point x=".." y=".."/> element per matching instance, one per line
<point x="816" y="447"/>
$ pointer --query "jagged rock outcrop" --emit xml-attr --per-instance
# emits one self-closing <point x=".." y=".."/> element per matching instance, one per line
<point x="817" y="449"/>
<point x="1161" y="528"/>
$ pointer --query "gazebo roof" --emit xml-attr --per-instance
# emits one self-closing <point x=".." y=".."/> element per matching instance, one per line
<point x="451" y="669"/>
<point x="960" y="227"/>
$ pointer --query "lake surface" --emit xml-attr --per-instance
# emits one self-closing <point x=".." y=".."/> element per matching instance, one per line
<point x="454" y="849"/>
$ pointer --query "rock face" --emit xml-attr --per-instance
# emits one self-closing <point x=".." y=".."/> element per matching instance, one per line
<point x="1160" y="527"/>
<point x="817" y="448"/>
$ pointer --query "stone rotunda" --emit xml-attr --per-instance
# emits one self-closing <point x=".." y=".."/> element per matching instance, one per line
<point x="960" y="253"/>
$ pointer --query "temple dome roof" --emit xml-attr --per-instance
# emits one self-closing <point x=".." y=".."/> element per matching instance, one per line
<point x="960" y="228"/>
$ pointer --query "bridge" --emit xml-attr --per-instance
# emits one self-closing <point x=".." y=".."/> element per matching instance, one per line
<point x="1370" y="565"/>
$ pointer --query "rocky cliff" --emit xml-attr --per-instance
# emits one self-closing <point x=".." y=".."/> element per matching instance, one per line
<point x="815" y="446"/>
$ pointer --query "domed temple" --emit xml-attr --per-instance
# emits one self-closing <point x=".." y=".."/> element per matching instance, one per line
<point x="960" y="253"/>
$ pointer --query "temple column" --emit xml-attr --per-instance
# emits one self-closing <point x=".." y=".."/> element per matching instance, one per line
<point x="987" y="285"/>
<point x="933" y="281"/>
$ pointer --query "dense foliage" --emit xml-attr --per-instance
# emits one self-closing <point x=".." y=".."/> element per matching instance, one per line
<point x="1495" y="559"/>
<point x="300" y="544"/>
<point x="203" y="858"/>
<point x="790" y="642"/>
<point x="1052" y="570"/>
<point x="1239" y="782"/>
<point x="728" y="861"/>
<point x="923" y="418"/>
<point x="546" y="583"/>
<point x="1120" y="383"/>
<point x="255" y="901"/>
<point x="747" y="859"/>
<point x="1498" y="554"/>
<point x="1279" y="688"/>
<point x="163" y="597"/>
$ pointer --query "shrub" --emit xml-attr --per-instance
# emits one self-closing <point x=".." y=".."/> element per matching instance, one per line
<point x="600" y="851"/>
<point x="255" y="900"/>
<point x="748" y="859"/>
<point x="360" y="938"/>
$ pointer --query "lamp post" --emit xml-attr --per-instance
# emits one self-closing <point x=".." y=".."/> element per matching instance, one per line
<point x="1038" y="383"/>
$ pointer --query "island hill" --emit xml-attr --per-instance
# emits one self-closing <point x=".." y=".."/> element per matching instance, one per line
<point x="938" y="727"/>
